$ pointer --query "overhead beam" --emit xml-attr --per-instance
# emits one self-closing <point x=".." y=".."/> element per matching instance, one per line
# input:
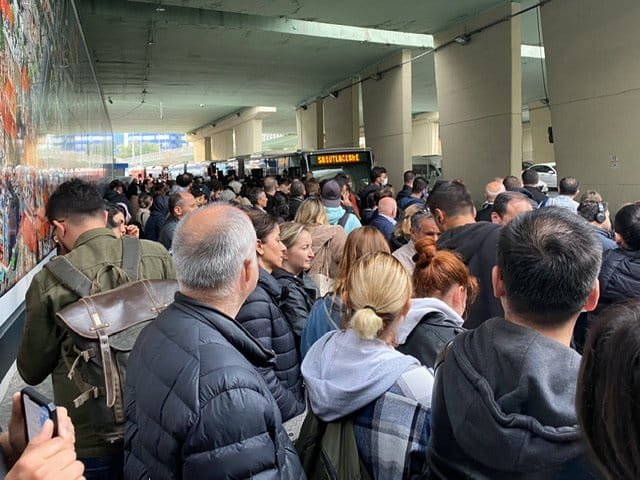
<point x="179" y="15"/>
<point x="230" y="121"/>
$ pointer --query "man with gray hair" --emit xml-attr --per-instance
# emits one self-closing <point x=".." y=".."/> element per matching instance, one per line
<point x="196" y="404"/>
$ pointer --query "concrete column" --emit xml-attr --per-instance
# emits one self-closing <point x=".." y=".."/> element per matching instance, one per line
<point x="425" y="134"/>
<point x="202" y="150"/>
<point x="593" y="65"/>
<point x="222" y="145"/>
<point x="249" y="137"/>
<point x="341" y="118"/>
<point x="479" y="98"/>
<point x="386" y="105"/>
<point x="527" y="143"/>
<point x="539" y="122"/>
<point x="310" y="125"/>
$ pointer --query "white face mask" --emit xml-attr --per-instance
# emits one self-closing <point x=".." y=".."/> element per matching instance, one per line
<point x="385" y="181"/>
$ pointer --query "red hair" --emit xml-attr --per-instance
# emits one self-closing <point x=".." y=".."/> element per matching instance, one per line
<point x="438" y="270"/>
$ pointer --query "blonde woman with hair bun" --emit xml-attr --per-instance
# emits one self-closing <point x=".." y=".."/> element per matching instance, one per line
<point x="356" y="373"/>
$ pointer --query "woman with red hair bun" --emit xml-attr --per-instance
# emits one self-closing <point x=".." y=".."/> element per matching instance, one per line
<point x="443" y="290"/>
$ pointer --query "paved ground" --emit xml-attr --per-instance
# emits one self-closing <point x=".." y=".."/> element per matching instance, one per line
<point x="292" y="426"/>
<point x="15" y="385"/>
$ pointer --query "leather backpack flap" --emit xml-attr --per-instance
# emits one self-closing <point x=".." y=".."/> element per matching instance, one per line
<point x="118" y="309"/>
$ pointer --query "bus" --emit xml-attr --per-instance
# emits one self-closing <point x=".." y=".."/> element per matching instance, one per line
<point x="323" y="164"/>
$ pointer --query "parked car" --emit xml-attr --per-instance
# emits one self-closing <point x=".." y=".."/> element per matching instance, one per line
<point x="547" y="174"/>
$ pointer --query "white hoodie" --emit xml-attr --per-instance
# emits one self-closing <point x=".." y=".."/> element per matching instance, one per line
<point x="418" y="309"/>
<point x="344" y="373"/>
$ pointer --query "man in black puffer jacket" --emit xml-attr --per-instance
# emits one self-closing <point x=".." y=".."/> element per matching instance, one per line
<point x="196" y="405"/>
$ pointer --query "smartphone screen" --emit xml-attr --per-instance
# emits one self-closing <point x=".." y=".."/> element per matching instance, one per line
<point x="35" y="415"/>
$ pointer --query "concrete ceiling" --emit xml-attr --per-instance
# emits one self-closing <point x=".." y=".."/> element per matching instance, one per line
<point x="175" y="65"/>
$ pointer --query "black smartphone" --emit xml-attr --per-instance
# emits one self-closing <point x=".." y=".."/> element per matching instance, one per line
<point x="37" y="409"/>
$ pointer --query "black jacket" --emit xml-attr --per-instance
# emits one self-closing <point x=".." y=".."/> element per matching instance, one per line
<point x="484" y="214"/>
<point x="429" y="337"/>
<point x="294" y="204"/>
<point x="477" y="244"/>
<point x="536" y="194"/>
<point x="262" y="317"/>
<point x="197" y="407"/>
<point x="297" y="296"/>
<point x="619" y="276"/>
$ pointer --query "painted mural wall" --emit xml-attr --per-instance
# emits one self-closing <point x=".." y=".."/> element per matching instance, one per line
<point x="46" y="88"/>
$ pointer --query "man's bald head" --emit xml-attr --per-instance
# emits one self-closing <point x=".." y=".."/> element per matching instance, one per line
<point x="387" y="206"/>
<point x="493" y="189"/>
<point x="210" y="248"/>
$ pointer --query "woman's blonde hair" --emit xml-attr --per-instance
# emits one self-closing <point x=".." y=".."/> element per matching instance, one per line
<point x="290" y="232"/>
<point x="311" y="212"/>
<point x="403" y="228"/>
<point x="379" y="289"/>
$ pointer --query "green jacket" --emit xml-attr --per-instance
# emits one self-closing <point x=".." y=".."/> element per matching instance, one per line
<point x="45" y="342"/>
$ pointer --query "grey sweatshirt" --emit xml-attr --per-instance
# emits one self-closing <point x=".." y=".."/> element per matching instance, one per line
<point x="344" y="373"/>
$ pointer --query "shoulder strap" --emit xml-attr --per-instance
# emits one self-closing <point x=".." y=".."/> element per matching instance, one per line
<point x="69" y="276"/>
<point x="130" y="256"/>
<point x="442" y="355"/>
<point x="343" y="220"/>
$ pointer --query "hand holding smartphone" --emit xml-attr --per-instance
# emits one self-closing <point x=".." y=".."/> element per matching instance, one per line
<point x="37" y="409"/>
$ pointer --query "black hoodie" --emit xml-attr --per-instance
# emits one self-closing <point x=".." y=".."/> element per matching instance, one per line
<point x="477" y="244"/>
<point x="503" y="407"/>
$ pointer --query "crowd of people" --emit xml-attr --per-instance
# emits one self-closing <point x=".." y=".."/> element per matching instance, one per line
<point x="413" y="334"/>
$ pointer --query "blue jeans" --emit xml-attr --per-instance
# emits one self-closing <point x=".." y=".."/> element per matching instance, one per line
<point x="104" y="468"/>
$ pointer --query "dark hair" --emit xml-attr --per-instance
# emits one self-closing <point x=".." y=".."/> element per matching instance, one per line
<point x="419" y="184"/>
<point x="113" y="184"/>
<point x="608" y="393"/>
<point x="197" y="192"/>
<point x="175" y="200"/>
<point x="184" y="180"/>
<point x="569" y="186"/>
<point x="145" y="200"/>
<point x="376" y="172"/>
<point x="503" y="199"/>
<point x="73" y="199"/>
<point x="409" y="176"/>
<point x="627" y="225"/>
<point x="253" y="194"/>
<point x="112" y="210"/>
<point x="263" y="223"/>
<point x="453" y="198"/>
<point x="591" y="209"/>
<point x="530" y="177"/>
<point x="342" y="180"/>
<point x="297" y="188"/>
<point x="215" y="185"/>
<point x="312" y="187"/>
<point x="279" y="206"/>
<point x="383" y="192"/>
<point x="549" y="260"/>
<point x="511" y="182"/>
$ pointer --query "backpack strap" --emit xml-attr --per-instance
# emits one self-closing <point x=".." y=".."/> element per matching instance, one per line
<point x="442" y="355"/>
<point x="69" y="276"/>
<point x="131" y="256"/>
<point x="343" y="219"/>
